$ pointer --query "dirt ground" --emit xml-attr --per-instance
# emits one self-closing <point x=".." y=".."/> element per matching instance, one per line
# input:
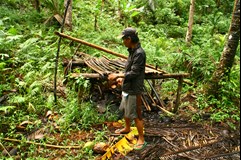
<point x="182" y="140"/>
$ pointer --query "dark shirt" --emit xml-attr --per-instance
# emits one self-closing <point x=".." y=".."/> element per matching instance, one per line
<point x="135" y="71"/>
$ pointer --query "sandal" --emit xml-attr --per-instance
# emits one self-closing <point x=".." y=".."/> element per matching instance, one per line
<point x="119" y="131"/>
<point x="140" y="146"/>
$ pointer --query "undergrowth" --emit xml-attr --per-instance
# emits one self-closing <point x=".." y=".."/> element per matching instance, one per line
<point x="28" y="49"/>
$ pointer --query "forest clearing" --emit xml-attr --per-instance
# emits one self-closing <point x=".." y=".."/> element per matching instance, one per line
<point x="57" y="101"/>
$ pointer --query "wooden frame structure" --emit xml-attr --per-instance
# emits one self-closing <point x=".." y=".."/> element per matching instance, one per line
<point x="104" y="66"/>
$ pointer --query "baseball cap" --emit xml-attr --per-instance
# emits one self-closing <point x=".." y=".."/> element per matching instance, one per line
<point x="128" y="32"/>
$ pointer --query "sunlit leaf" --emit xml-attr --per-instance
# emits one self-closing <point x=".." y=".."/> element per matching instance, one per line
<point x="6" y="108"/>
<point x="12" y="31"/>
<point x="2" y="65"/>
<point x="13" y="38"/>
<point x="28" y="43"/>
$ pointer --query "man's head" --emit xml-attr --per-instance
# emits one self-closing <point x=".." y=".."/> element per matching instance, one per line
<point x="129" y="36"/>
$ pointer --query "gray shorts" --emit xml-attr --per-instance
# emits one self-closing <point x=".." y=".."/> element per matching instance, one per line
<point x="129" y="105"/>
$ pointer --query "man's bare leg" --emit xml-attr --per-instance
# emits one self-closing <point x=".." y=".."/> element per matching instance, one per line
<point x="139" y="121"/>
<point x="127" y="127"/>
<point x="139" y="126"/>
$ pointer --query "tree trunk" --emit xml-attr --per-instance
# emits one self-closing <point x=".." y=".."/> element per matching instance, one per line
<point x="190" y="22"/>
<point x="228" y="55"/>
<point x="120" y="14"/>
<point x="218" y="3"/>
<point x="103" y="5"/>
<point x="68" y="21"/>
<point x="96" y="22"/>
<point x="36" y="4"/>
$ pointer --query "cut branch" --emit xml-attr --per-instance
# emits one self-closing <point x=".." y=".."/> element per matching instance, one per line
<point x="41" y="144"/>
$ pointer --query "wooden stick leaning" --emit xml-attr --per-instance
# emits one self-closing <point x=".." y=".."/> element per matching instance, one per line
<point x="5" y="150"/>
<point x="100" y="48"/>
<point x="114" y="53"/>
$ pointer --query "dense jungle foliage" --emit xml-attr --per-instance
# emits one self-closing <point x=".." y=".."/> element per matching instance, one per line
<point x="28" y="49"/>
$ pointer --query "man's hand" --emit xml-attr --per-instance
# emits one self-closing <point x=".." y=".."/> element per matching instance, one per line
<point x="119" y="81"/>
<point x="114" y="76"/>
<point x="115" y="80"/>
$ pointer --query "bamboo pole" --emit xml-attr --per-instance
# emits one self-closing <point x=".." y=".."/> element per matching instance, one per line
<point x="74" y="63"/>
<point x="148" y="108"/>
<point x="90" y="44"/>
<point x="157" y="96"/>
<point x="86" y="75"/>
<point x="96" y="75"/>
<point x="100" y="48"/>
<point x="167" y="75"/>
<point x="179" y="88"/>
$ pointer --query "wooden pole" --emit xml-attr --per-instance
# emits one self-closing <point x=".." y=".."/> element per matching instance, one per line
<point x="100" y="48"/>
<point x="57" y="55"/>
<point x="157" y="96"/>
<point x="148" y="108"/>
<point x="90" y="44"/>
<point x="180" y="81"/>
<point x="97" y="75"/>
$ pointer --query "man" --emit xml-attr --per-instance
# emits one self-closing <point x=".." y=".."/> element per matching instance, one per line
<point x="132" y="84"/>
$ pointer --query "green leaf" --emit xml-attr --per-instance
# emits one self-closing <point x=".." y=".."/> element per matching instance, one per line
<point x="2" y="65"/>
<point x="28" y="43"/>
<point x="135" y="14"/>
<point x="5" y="108"/>
<point x="12" y="31"/>
<point x="1" y="22"/>
<point x="13" y="38"/>
<point x="18" y="99"/>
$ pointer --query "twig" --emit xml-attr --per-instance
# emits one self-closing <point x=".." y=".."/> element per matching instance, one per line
<point x="166" y="111"/>
<point x="170" y="142"/>
<point x="191" y="148"/>
<point x="223" y="155"/>
<point x="41" y="144"/>
<point x="6" y="150"/>
<point x="3" y="98"/>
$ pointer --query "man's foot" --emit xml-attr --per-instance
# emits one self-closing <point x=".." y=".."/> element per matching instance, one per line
<point x="122" y="131"/>
<point x="140" y="146"/>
